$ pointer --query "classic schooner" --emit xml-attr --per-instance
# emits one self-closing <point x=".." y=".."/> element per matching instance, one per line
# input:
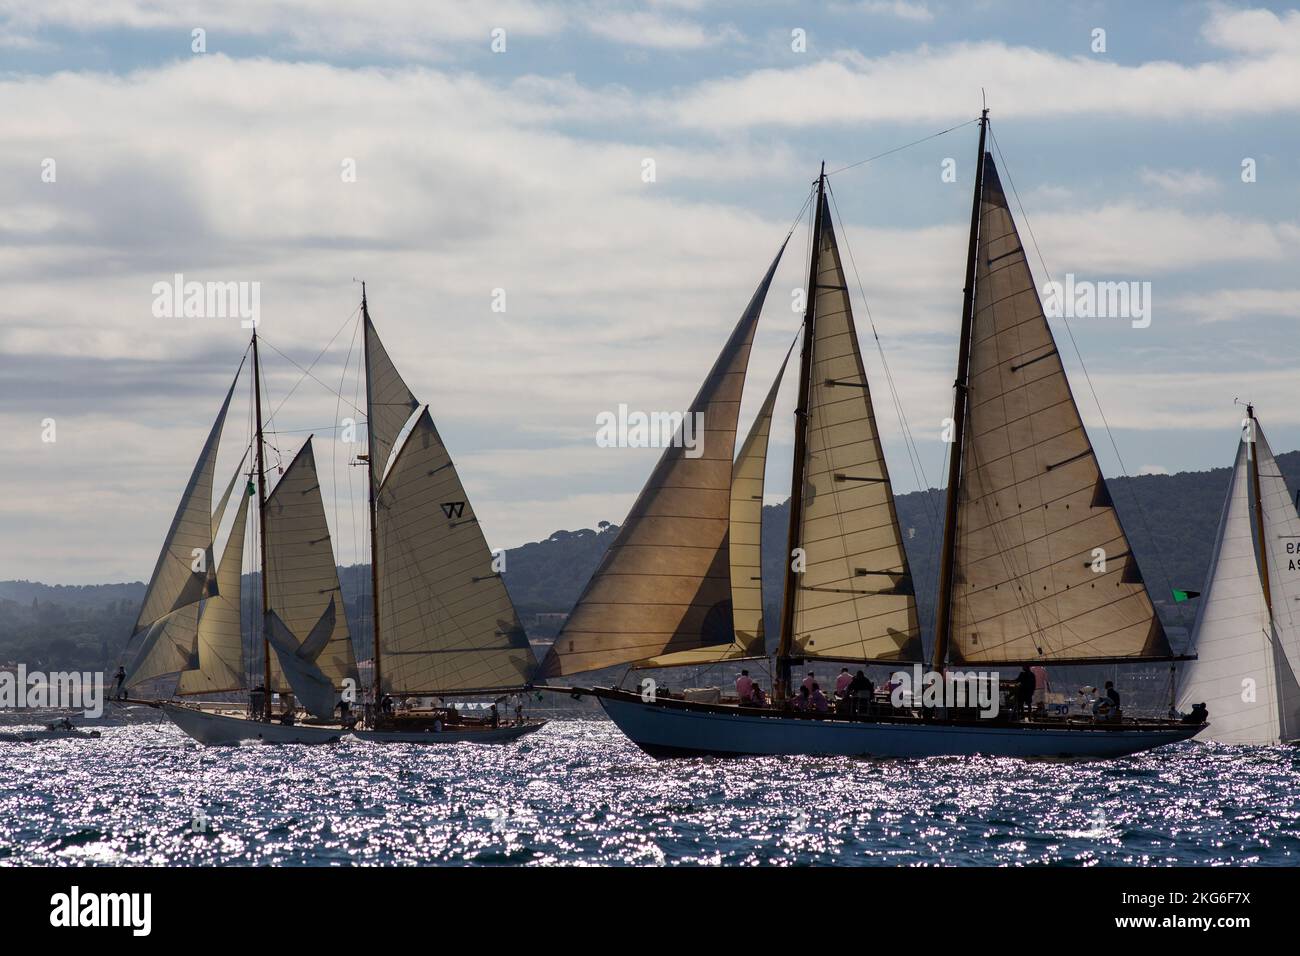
<point x="1247" y="631"/>
<point x="442" y="620"/>
<point x="1027" y="515"/>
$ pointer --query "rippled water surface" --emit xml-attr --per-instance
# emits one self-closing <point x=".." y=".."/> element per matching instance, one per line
<point x="579" y="793"/>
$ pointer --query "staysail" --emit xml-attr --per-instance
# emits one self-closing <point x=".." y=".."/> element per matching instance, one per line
<point x="744" y="547"/>
<point x="664" y="585"/>
<point x="1282" y="539"/>
<point x="854" y="598"/>
<point x="220" y="642"/>
<point x="1043" y="570"/>
<point x="166" y="649"/>
<point x="306" y="623"/>
<point x="176" y="580"/>
<point x="447" y="621"/>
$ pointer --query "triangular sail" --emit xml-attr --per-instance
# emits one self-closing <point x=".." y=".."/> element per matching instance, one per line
<point x="166" y="649"/>
<point x="389" y="401"/>
<point x="305" y="618"/>
<point x="1035" y="523"/>
<point x="175" y="582"/>
<point x="744" y="545"/>
<point x="855" y="598"/>
<point x="1282" y="537"/>
<point x="1233" y="674"/>
<point x="220" y="642"/>
<point x="447" y="621"/>
<point x="664" y="585"/>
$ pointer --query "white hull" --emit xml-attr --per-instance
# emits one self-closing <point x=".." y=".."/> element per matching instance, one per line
<point x="675" y="729"/>
<point x="225" y="730"/>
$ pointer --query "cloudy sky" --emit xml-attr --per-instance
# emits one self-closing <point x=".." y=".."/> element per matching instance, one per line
<point x="522" y="170"/>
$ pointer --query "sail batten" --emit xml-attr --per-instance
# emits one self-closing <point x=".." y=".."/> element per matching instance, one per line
<point x="1043" y="570"/>
<point x="664" y="584"/>
<point x="848" y="526"/>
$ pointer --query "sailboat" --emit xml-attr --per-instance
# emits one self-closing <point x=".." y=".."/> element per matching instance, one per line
<point x="1247" y="631"/>
<point x="443" y="622"/>
<point x="1027" y="510"/>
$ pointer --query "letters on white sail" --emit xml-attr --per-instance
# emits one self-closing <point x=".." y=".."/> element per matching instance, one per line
<point x="305" y="605"/>
<point x="1043" y="568"/>
<point x="664" y="585"/>
<point x="446" y="620"/>
<point x="855" y="598"/>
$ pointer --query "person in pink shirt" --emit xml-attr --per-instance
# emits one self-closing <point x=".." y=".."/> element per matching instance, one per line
<point x="744" y="687"/>
<point x="810" y="681"/>
<point x="842" y="682"/>
<point x="818" y="700"/>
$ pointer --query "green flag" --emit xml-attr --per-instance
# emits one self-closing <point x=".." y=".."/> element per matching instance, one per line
<point x="1181" y="596"/>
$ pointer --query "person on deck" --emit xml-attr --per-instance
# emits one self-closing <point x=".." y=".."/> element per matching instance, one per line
<point x="1113" y="694"/>
<point x="757" y="698"/>
<point x="818" y="700"/>
<point x="860" y="692"/>
<point x="842" y="682"/>
<point x="809" y="681"/>
<point x="744" y="686"/>
<point x="496" y="716"/>
<point x="1026" y="684"/>
<point x="120" y="677"/>
<point x="800" y="701"/>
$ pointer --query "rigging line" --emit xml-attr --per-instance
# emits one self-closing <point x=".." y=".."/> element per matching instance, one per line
<point x="899" y="149"/>
<point x="914" y="454"/>
<point x="306" y="373"/>
<point x="334" y="445"/>
<point x="1087" y="377"/>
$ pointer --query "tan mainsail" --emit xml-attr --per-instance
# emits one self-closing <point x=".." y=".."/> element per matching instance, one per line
<point x="389" y="401"/>
<point x="166" y="649"/>
<point x="175" y="582"/>
<point x="664" y="585"/>
<point x="306" y="619"/>
<point x="1035" y="522"/>
<point x="447" y="622"/>
<point x="220" y="642"/>
<point x="855" y="599"/>
<point x="744" y="544"/>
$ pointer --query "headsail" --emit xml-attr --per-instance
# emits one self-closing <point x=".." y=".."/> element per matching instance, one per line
<point x="166" y="649"/>
<point x="220" y="642"/>
<point x="854" y="599"/>
<point x="448" y="623"/>
<point x="306" y="623"/>
<point x="175" y="582"/>
<point x="1282" y="539"/>
<point x="744" y="546"/>
<point x="1234" y="673"/>
<point x="1035" y="523"/>
<point x="664" y="585"/>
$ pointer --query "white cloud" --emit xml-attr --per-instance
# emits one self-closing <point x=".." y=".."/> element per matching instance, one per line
<point x="1253" y="31"/>
<point x="1179" y="182"/>
<point x="1227" y="305"/>
<point x="1153" y="470"/>
<point x="645" y="29"/>
<point x="901" y="9"/>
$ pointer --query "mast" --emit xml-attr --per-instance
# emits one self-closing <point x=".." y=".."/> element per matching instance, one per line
<point x="781" y="690"/>
<point x="261" y="527"/>
<point x="1256" y="498"/>
<point x="375" y="684"/>
<point x="943" y="609"/>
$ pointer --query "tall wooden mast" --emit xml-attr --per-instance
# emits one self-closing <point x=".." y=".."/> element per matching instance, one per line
<point x="375" y="683"/>
<point x="1252" y="450"/>
<point x="261" y="529"/>
<point x="786" y="643"/>
<point x="943" y="610"/>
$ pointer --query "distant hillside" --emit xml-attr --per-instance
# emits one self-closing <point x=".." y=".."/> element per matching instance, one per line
<point x="1171" y="521"/>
